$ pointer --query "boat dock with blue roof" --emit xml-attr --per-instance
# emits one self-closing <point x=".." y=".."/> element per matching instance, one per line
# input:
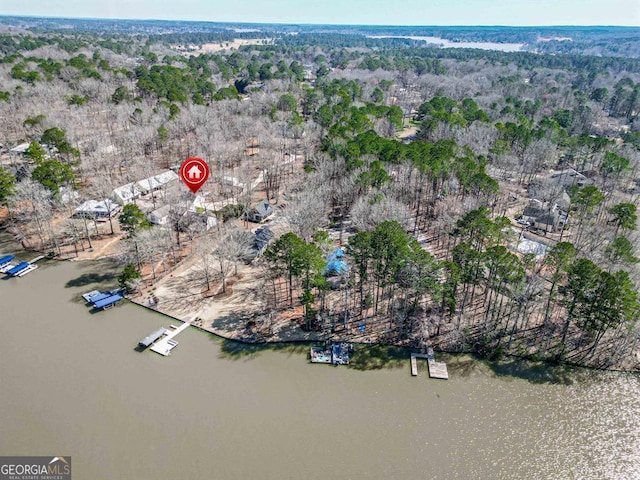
<point x="103" y="300"/>
<point x="20" y="269"/>
<point x="107" y="302"/>
<point x="5" y="263"/>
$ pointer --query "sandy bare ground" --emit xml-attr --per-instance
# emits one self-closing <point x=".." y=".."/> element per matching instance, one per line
<point x="406" y="132"/>
<point x="181" y="295"/>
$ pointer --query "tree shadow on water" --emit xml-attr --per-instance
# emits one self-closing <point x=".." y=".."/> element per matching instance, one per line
<point x="364" y="357"/>
<point x="376" y="357"/>
<point x="232" y="350"/>
<point x="534" y="372"/>
<point x="89" y="279"/>
<point x="461" y="366"/>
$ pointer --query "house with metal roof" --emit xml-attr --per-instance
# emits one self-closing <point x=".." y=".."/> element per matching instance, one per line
<point x="126" y="193"/>
<point x="260" y="211"/>
<point x="96" y="209"/>
<point x="152" y="337"/>
<point x="160" y="216"/>
<point x="157" y="181"/>
<point x="569" y="178"/>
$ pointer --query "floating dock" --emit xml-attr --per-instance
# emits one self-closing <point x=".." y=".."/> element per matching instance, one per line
<point x="338" y="354"/>
<point x="167" y="343"/>
<point x="414" y="366"/>
<point x="436" y="369"/>
<point x="20" y="269"/>
<point x="320" y="355"/>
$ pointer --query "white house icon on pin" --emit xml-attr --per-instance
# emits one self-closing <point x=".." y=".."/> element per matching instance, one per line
<point x="194" y="173"/>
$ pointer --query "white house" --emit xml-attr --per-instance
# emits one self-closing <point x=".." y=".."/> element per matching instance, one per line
<point x="22" y="148"/>
<point x="97" y="209"/>
<point x="126" y="193"/>
<point x="160" y="216"/>
<point x="157" y="181"/>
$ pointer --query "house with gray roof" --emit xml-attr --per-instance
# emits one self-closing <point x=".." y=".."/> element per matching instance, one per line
<point x="260" y="211"/>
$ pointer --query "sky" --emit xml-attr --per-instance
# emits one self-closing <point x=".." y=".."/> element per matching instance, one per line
<point x="366" y="12"/>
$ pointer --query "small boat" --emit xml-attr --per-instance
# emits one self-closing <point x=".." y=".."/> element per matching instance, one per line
<point x="88" y="297"/>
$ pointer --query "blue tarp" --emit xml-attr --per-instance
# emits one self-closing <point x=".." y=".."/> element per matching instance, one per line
<point x="6" y="259"/>
<point x="107" y="301"/>
<point x="18" y="268"/>
<point x="335" y="255"/>
<point x="337" y="266"/>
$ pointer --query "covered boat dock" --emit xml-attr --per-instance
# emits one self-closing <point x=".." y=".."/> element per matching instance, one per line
<point x="5" y="262"/>
<point x="21" y="269"/>
<point x="152" y="337"/>
<point x="108" y="302"/>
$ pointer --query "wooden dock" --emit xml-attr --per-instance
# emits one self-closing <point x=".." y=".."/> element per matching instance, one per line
<point x="167" y="343"/>
<point x="436" y="369"/>
<point x="414" y="365"/>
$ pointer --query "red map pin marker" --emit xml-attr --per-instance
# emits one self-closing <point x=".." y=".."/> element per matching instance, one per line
<point x="194" y="172"/>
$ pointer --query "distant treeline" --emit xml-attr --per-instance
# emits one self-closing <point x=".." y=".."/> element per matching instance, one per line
<point x="199" y="38"/>
<point x="406" y="48"/>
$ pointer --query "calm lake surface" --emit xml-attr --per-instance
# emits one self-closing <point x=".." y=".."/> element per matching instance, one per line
<point x="72" y="384"/>
<point x="503" y="47"/>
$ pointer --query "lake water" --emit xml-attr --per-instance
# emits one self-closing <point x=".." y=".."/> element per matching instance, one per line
<point x="72" y="384"/>
<point x="504" y="47"/>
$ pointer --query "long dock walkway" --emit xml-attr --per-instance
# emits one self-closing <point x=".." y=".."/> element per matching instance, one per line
<point x="167" y="343"/>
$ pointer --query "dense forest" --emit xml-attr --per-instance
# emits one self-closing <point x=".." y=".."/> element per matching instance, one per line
<point x="477" y="200"/>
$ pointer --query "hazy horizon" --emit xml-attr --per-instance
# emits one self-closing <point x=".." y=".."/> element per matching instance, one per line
<point x="412" y="13"/>
<point x="248" y="22"/>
